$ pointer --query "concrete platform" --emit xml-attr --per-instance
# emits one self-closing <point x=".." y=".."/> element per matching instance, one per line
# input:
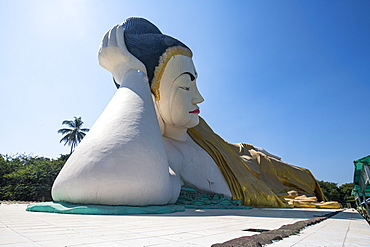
<point x="189" y="228"/>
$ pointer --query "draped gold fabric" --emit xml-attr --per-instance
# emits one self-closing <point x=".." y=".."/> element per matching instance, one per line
<point x="257" y="179"/>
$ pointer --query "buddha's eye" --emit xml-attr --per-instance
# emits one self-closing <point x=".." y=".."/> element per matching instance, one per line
<point x="185" y="88"/>
<point x="192" y="77"/>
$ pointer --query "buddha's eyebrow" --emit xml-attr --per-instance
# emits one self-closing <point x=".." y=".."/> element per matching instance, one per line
<point x="192" y="77"/>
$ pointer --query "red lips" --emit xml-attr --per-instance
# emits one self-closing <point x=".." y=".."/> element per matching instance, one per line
<point x="197" y="111"/>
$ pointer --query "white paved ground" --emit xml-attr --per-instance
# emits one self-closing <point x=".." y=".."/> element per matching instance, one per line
<point x="189" y="228"/>
<point x="344" y="229"/>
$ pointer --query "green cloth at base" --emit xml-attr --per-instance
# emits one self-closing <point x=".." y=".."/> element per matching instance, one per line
<point x="189" y="198"/>
<point x="69" y="208"/>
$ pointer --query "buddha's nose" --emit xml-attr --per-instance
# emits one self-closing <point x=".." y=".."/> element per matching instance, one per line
<point x="197" y="97"/>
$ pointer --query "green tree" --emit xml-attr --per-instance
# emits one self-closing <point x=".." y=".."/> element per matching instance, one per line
<point x="28" y="178"/>
<point x="7" y="165"/>
<point x="341" y="194"/>
<point x="346" y="194"/>
<point x="74" y="134"/>
<point x="330" y="190"/>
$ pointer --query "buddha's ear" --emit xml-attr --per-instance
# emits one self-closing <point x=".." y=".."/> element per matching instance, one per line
<point x="160" y="119"/>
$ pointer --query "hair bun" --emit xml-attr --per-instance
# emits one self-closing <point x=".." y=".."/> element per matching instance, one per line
<point x="138" y="26"/>
<point x="147" y="43"/>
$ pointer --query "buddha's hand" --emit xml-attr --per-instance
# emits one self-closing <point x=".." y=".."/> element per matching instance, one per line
<point x="267" y="153"/>
<point x="114" y="56"/>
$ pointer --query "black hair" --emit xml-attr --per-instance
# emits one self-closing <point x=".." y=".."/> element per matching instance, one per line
<point x="147" y="43"/>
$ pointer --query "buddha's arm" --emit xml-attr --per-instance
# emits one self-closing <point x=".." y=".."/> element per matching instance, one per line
<point x="242" y="149"/>
<point x="122" y="160"/>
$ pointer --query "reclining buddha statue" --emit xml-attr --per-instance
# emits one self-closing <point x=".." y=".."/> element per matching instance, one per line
<point x="150" y="140"/>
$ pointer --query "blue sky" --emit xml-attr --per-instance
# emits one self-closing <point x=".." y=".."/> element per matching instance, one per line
<point x="289" y="76"/>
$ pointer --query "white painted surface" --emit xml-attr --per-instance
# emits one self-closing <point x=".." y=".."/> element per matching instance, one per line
<point x="196" y="228"/>
<point x="122" y="160"/>
<point x="195" y="167"/>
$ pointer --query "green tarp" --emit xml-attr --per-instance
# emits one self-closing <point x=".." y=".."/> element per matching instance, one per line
<point x="189" y="198"/>
<point x="359" y="172"/>
<point x="69" y="208"/>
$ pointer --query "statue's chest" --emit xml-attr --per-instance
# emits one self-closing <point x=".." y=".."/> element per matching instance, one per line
<point x="186" y="155"/>
<point x="195" y="167"/>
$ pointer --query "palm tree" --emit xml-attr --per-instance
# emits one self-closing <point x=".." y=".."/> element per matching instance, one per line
<point x="74" y="134"/>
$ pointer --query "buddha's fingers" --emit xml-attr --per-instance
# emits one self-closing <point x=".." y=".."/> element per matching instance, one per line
<point x="104" y="41"/>
<point x="120" y="38"/>
<point x="112" y="36"/>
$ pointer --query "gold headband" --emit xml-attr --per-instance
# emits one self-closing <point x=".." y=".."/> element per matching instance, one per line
<point x="163" y="60"/>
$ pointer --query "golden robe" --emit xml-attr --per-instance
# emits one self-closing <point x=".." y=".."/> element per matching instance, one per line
<point x="257" y="179"/>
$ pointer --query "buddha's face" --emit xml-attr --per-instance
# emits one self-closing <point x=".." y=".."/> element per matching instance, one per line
<point x="179" y="94"/>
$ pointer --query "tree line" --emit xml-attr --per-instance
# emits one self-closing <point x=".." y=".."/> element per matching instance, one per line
<point x="341" y="194"/>
<point x="27" y="178"/>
